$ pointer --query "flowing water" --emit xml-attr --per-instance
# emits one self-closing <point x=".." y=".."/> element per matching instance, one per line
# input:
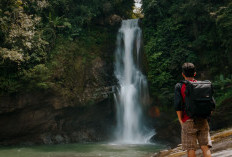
<point x="81" y="150"/>
<point x="132" y="92"/>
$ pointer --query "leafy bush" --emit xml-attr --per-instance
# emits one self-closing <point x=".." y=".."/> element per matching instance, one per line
<point x="222" y="88"/>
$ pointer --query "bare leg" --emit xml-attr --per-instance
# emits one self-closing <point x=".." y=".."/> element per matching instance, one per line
<point x="191" y="153"/>
<point x="206" y="151"/>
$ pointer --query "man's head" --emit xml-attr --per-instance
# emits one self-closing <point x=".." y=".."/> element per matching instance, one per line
<point x="188" y="70"/>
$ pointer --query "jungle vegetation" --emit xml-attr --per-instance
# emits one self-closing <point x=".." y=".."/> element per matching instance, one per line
<point x="38" y="39"/>
<point x="49" y="44"/>
<point x="178" y="31"/>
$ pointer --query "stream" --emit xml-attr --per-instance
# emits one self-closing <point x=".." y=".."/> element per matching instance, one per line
<point x="81" y="150"/>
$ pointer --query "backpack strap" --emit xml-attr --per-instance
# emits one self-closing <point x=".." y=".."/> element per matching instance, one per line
<point x="183" y="104"/>
<point x="187" y="83"/>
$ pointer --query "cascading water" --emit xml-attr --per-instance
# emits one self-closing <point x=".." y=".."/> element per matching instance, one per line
<point x="132" y="92"/>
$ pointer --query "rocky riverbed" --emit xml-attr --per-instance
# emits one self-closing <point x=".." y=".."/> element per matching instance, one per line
<point x="222" y="146"/>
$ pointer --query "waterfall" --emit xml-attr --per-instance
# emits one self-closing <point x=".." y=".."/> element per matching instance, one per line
<point x="132" y="92"/>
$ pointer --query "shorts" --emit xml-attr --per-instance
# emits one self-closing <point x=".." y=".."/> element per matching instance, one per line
<point x="193" y="131"/>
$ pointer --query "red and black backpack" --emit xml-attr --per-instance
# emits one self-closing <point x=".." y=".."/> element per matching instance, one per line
<point x="199" y="101"/>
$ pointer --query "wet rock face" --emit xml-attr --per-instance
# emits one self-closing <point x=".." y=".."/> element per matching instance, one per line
<point x="114" y="20"/>
<point x="168" y="132"/>
<point x="43" y="124"/>
<point x="222" y="116"/>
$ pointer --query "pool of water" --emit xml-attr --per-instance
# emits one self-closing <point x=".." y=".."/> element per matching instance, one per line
<point x="81" y="150"/>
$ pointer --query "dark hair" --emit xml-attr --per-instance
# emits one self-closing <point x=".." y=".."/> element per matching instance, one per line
<point x="188" y="69"/>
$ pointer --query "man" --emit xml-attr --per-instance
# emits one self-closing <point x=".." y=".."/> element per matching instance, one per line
<point x="193" y="130"/>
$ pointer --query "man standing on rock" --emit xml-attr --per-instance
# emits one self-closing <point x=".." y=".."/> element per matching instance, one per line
<point x="194" y="125"/>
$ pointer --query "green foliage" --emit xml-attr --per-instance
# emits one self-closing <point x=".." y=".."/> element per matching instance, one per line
<point x="21" y="47"/>
<point x="224" y="25"/>
<point x="167" y="49"/>
<point x="36" y="77"/>
<point x="31" y="56"/>
<point x="178" y="31"/>
<point x="9" y="84"/>
<point x="222" y="88"/>
<point x="72" y="63"/>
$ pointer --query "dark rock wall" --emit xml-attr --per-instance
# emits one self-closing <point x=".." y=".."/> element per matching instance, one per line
<point x="41" y="123"/>
<point x="222" y="115"/>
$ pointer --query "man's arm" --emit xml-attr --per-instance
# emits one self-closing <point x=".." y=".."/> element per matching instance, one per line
<point x="179" y="114"/>
<point x="178" y="102"/>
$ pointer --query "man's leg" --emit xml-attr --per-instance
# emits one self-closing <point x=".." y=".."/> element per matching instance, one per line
<point x="191" y="153"/>
<point x="206" y="151"/>
<point x="203" y="137"/>
<point x="189" y="137"/>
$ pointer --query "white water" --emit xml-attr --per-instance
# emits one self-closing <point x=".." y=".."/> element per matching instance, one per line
<point x="132" y="93"/>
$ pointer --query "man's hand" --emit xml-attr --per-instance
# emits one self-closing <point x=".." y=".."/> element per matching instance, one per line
<point x="181" y="122"/>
